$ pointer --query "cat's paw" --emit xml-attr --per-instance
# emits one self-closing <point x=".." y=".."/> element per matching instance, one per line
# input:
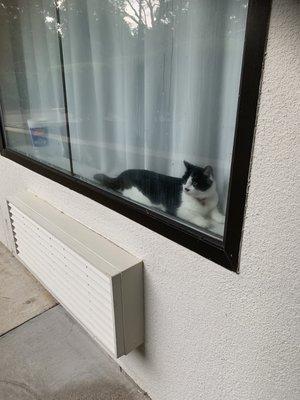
<point x="204" y="223"/>
<point x="218" y="217"/>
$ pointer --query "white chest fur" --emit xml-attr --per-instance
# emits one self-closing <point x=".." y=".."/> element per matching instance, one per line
<point x="195" y="206"/>
<point x="194" y="210"/>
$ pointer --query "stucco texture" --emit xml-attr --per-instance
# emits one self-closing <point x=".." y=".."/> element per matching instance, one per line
<point x="212" y="334"/>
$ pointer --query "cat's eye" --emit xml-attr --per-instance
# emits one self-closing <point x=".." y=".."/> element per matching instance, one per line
<point x="90" y="92"/>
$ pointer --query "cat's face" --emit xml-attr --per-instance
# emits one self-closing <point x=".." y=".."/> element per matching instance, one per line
<point x="198" y="182"/>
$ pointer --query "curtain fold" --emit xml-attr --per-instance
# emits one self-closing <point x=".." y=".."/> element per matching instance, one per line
<point x="31" y="78"/>
<point x="151" y="83"/>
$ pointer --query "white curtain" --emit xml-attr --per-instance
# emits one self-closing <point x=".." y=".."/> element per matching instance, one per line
<point x="32" y="62"/>
<point x="31" y="78"/>
<point x="153" y="82"/>
<point x="149" y="83"/>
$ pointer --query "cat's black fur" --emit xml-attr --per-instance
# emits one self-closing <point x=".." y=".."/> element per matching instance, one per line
<point x="159" y="189"/>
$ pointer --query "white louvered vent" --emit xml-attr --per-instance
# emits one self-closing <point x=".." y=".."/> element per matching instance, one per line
<point x="99" y="283"/>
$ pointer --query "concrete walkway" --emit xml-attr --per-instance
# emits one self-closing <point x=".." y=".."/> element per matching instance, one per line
<point x="21" y="295"/>
<point x="50" y="357"/>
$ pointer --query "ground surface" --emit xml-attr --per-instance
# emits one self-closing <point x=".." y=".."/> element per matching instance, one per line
<point x="21" y="295"/>
<point x="50" y="357"/>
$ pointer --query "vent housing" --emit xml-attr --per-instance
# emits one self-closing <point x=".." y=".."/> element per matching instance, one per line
<point x="98" y="283"/>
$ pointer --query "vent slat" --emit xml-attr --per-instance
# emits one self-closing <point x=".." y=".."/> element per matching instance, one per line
<point x="103" y="313"/>
<point x="69" y="299"/>
<point x="75" y="310"/>
<point x="80" y="294"/>
<point x="99" y="283"/>
<point x="35" y="227"/>
<point x="40" y="232"/>
<point x="80" y="273"/>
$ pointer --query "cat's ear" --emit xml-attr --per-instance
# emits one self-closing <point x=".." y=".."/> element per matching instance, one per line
<point x="208" y="171"/>
<point x="188" y="166"/>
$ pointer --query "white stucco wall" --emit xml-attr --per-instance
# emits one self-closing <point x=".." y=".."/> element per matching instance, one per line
<point x="212" y="334"/>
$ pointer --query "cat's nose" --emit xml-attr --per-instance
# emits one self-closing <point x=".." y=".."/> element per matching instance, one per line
<point x="187" y="189"/>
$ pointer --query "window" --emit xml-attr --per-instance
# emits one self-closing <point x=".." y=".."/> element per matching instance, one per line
<point x="143" y="105"/>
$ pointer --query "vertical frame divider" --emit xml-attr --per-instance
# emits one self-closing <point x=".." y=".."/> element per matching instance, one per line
<point x="63" y="76"/>
<point x="2" y="135"/>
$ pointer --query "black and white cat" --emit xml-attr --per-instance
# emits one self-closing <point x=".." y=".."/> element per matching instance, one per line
<point x="193" y="197"/>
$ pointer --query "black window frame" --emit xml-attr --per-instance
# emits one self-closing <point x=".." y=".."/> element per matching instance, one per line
<point x="223" y="251"/>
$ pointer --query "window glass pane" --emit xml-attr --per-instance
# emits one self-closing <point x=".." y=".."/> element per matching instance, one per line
<point x="151" y="84"/>
<point x="31" y="81"/>
<point x="151" y="89"/>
